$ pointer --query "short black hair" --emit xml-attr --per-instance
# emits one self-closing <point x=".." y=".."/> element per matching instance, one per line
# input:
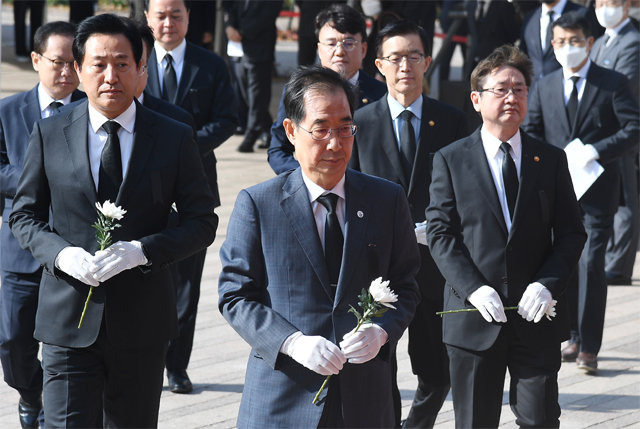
<point x="402" y="28"/>
<point x="146" y="33"/>
<point x="343" y="18"/>
<point x="59" y="28"/>
<point x="187" y="4"/>
<point x="503" y="56"/>
<point x="106" y="23"/>
<point x="313" y="78"/>
<point x="573" y="21"/>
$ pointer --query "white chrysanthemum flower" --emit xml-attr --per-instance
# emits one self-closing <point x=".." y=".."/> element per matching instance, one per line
<point x="380" y="292"/>
<point x="110" y="210"/>
<point x="551" y="311"/>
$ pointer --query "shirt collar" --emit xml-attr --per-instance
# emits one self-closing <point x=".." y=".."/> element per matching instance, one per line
<point x="177" y="54"/>
<point x="613" y="32"/>
<point x="354" y="79"/>
<point x="44" y="99"/>
<point x="492" y="143"/>
<point x="396" y="108"/>
<point x="141" y="98"/>
<point x="126" y="119"/>
<point x="582" y="72"/>
<point x="557" y="9"/>
<point x="314" y="190"/>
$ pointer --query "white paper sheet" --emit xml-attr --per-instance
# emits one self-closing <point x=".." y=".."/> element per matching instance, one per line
<point x="581" y="176"/>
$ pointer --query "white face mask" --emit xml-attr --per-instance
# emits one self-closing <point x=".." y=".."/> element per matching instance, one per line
<point x="571" y="57"/>
<point x="609" y="17"/>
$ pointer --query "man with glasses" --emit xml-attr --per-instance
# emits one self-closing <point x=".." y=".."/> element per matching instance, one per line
<point x="398" y="137"/>
<point x="52" y="58"/>
<point x="591" y="112"/>
<point x="503" y="226"/>
<point x="619" y="50"/>
<point x="299" y="250"/>
<point x="341" y="32"/>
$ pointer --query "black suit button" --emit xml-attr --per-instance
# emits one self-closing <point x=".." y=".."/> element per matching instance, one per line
<point x="505" y="281"/>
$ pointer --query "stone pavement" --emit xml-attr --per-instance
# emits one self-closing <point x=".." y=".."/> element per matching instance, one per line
<point x="609" y="400"/>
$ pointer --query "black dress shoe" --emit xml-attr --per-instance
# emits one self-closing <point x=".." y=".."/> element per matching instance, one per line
<point x="28" y="414"/>
<point x="616" y="280"/>
<point x="179" y="381"/>
<point x="588" y="362"/>
<point x="247" y="143"/>
<point x="570" y="353"/>
<point x="266" y="141"/>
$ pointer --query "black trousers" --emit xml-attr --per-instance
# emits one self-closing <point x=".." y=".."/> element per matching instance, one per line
<point x="187" y="275"/>
<point x="254" y="84"/>
<point x="36" y="10"/>
<point x="18" y="349"/>
<point x="102" y="385"/>
<point x="477" y="381"/>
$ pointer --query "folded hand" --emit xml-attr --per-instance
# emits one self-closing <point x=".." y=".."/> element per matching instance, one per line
<point x="363" y="345"/>
<point x="117" y="258"/>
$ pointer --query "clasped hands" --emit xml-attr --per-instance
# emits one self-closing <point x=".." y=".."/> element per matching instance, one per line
<point x="534" y="303"/>
<point x="325" y="358"/>
<point x="94" y="269"/>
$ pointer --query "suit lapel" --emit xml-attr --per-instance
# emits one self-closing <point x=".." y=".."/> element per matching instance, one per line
<point x="389" y="141"/>
<point x="30" y="110"/>
<point x="144" y="139"/>
<point x="555" y="91"/>
<point x="356" y="217"/>
<point x="479" y="171"/>
<point x="189" y="70"/>
<point x="153" y="83"/>
<point x="588" y="97"/>
<point x="296" y="207"/>
<point x="76" y="136"/>
<point x="530" y="163"/>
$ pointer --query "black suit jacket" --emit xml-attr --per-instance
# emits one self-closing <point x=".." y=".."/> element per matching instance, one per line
<point x="607" y="118"/>
<point x="165" y="108"/>
<point x="137" y="306"/>
<point x="205" y="92"/>
<point x="468" y="238"/>
<point x="18" y="114"/>
<point x="280" y="153"/>
<point x="256" y="22"/>
<point x="375" y="152"/>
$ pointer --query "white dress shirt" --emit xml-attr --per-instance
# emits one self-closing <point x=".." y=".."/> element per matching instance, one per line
<point x="98" y="138"/>
<point x="568" y="83"/>
<point x="44" y="100"/>
<point x="319" y="212"/>
<point x="544" y="19"/>
<point x="495" y="156"/>
<point x="177" y="56"/>
<point x="395" y="108"/>
<point x="613" y="32"/>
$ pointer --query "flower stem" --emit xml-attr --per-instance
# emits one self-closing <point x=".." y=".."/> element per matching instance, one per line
<point x="464" y="310"/>
<point x="86" y="303"/>
<point x="324" y="385"/>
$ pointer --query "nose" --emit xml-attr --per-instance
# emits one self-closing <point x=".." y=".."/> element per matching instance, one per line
<point x="110" y="74"/>
<point x="167" y="21"/>
<point x="334" y="144"/>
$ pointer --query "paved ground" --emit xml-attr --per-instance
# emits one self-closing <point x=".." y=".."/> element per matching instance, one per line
<point x="609" y="400"/>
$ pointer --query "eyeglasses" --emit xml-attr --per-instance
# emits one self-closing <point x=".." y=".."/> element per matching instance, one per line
<point x="344" y="132"/>
<point x="347" y="44"/>
<point x="610" y="3"/>
<point x="58" y="64"/>
<point x="413" y="58"/>
<point x="518" y="91"/>
<point x="574" y="41"/>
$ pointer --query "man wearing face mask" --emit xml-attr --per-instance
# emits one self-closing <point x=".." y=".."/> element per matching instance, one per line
<point x="593" y="105"/>
<point x="619" y="50"/>
<point x="536" y="33"/>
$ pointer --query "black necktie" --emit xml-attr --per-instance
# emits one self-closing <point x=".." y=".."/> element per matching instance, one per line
<point x="333" y="240"/>
<point x="407" y="143"/>
<point x="547" y="41"/>
<point x="110" y="176"/>
<point x="170" y="82"/>
<point x="572" y="105"/>
<point x="55" y="107"/>
<point x="509" y="177"/>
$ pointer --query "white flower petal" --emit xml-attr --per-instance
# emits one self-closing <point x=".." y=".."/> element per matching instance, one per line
<point x="381" y="293"/>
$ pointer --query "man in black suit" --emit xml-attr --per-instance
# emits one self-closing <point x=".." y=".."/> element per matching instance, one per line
<point x="253" y="24"/>
<point x="388" y="147"/>
<point x="504" y="229"/>
<point x="52" y="58"/>
<point x="536" y="33"/>
<point x="196" y="80"/>
<point x="109" y="370"/>
<point x="585" y="102"/>
<point x="341" y="33"/>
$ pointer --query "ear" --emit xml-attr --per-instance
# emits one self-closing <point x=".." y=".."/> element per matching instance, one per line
<point x="289" y="128"/>
<point x="475" y="100"/>
<point x="77" y="68"/>
<point x="364" y="48"/>
<point x="378" y="63"/>
<point x="35" y="60"/>
<point x="427" y="63"/>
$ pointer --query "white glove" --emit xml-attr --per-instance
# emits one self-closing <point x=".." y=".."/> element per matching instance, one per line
<point x="316" y="353"/>
<point x="117" y="258"/>
<point x="535" y="302"/>
<point x="587" y="154"/>
<point x="487" y="301"/>
<point x="421" y="233"/>
<point x="76" y="261"/>
<point x="363" y="345"/>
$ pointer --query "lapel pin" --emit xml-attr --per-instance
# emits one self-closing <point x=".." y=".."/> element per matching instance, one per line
<point x="536" y="158"/>
<point x="431" y="123"/>
<point x="360" y="214"/>
<point x="365" y="100"/>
